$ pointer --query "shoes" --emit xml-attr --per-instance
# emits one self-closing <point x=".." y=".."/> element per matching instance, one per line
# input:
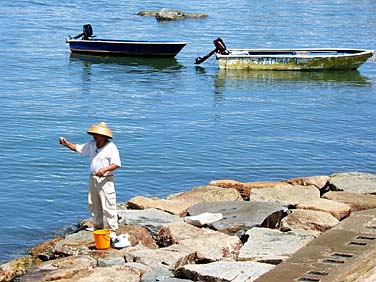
<point x="91" y="229"/>
<point x="121" y="241"/>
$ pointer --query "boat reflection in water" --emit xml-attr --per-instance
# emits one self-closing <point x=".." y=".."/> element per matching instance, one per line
<point x="269" y="78"/>
<point x="131" y="64"/>
<point x="109" y="69"/>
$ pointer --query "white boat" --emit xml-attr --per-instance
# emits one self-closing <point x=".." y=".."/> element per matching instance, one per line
<point x="302" y="59"/>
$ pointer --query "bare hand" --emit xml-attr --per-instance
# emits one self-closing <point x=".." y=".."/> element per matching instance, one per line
<point x="63" y="141"/>
<point x="101" y="172"/>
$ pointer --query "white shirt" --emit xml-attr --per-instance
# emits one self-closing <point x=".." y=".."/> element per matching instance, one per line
<point x="100" y="158"/>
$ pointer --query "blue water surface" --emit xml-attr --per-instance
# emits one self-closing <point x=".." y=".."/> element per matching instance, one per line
<point x="177" y="125"/>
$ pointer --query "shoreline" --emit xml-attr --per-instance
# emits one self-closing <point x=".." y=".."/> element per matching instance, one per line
<point x="204" y="231"/>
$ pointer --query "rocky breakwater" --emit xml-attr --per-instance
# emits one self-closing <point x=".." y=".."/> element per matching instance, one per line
<point x="224" y="231"/>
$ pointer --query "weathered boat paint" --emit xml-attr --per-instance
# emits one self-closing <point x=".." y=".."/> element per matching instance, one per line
<point x="294" y="59"/>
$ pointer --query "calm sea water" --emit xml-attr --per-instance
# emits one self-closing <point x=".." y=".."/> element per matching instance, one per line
<point x="176" y="124"/>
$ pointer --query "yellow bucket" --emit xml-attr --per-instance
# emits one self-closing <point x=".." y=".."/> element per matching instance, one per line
<point x="102" y="239"/>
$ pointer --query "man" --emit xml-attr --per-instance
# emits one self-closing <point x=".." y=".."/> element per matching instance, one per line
<point x="105" y="159"/>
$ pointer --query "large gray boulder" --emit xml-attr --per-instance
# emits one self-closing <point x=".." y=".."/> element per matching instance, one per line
<point x="309" y="220"/>
<point x="271" y="245"/>
<point x="203" y="219"/>
<point x="152" y="219"/>
<point x="239" y="215"/>
<point x="353" y="182"/>
<point x="179" y="203"/>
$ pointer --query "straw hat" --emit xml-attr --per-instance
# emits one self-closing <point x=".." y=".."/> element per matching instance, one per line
<point x="100" y="128"/>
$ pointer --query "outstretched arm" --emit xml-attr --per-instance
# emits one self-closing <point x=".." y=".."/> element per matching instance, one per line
<point x="63" y="141"/>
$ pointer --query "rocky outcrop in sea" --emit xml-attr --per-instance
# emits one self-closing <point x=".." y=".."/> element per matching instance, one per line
<point x="226" y="230"/>
<point x="165" y="14"/>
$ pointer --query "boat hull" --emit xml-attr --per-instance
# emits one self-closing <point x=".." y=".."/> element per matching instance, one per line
<point x="168" y="49"/>
<point x="294" y="59"/>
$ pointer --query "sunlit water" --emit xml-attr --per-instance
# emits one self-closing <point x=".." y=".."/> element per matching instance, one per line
<point x="177" y="125"/>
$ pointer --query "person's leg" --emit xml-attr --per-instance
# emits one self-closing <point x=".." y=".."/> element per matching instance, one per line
<point x="95" y="203"/>
<point x="108" y="197"/>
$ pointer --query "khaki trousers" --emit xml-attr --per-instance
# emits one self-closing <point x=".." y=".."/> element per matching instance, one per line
<point x="102" y="202"/>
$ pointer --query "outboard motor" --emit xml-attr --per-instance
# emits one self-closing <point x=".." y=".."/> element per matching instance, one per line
<point x="220" y="46"/>
<point x="87" y="32"/>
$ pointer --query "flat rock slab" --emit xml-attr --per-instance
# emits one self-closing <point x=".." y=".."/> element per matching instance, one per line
<point x="356" y="202"/>
<point x="354" y="182"/>
<point x="151" y="219"/>
<point x="208" y="244"/>
<point x="343" y="253"/>
<point x="337" y="209"/>
<point x="241" y="214"/>
<point x="289" y="195"/>
<point x="171" y="257"/>
<point x="271" y="245"/>
<point x="235" y="271"/>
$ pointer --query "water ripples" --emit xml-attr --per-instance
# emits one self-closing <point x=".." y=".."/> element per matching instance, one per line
<point x="178" y="125"/>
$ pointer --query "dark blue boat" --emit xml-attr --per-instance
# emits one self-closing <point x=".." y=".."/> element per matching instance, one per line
<point x="85" y="43"/>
